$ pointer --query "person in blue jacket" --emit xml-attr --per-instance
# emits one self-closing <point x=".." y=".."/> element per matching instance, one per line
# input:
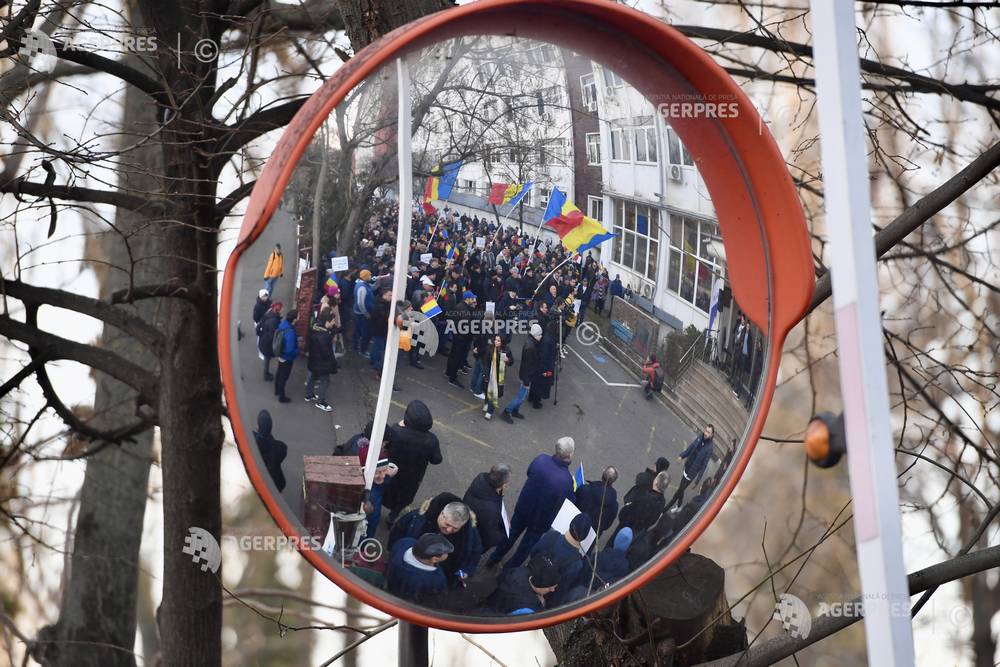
<point x="445" y="514"/>
<point x="289" y="352"/>
<point x="549" y="484"/>
<point x="563" y="549"/>
<point x="696" y="457"/>
<point x="364" y="303"/>
<point x="384" y="472"/>
<point x="414" y="571"/>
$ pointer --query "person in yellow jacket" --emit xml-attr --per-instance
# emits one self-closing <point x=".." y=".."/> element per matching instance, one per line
<point x="275" y="268"/>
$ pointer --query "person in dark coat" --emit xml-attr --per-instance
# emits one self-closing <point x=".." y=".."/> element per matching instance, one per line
<point x="461" y="340"/>
<point x="526" y="373"/>
<point x="541" y="384"/>
<point x="268" y="324"/>
<point x="549" y="484"/>
<point x="645" y="510"/>
<point x="261" y="306"/>
<point x="696" y="458"/>
<point x="272" y="451"/>
<point x="322" y="362"/>
<point x="379" y="327"/>
<point x="563" y="549"/>
<point x="414" y="570"/>
<point x="446" y="515"/>
<point x="644" y="480"/>
<point x="599" y="500"/>
<point x="525" y="589"/>
<point x="412" y="447"/>
<point x="485" y="497"/>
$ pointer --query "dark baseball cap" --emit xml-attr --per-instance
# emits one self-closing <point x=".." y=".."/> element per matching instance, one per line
<point x="543" y="571"/>
<point x="432" y="544"/>
<point x="580" y="526"/>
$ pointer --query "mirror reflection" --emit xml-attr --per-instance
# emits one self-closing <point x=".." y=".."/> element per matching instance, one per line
<point x="573" y="375"/>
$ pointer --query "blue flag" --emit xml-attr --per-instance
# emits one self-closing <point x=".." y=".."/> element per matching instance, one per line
<point x="578" y="479"/>
<point x="448" y="179"/>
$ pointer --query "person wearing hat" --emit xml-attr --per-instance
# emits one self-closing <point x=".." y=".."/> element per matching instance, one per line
<point x="261" y="305"/>
<point x="380" y="328"/>
<point x="526" y="372"/>
<point x="564" y="550"/>
<point x="412" y="282"/>
<point x="526" y="589"/>
<point x="364" y="303"/>
<point x="414" y="571"/>
<point x="412" y="447"/>
<point x="268" y="324"/>
<point x="608" y="565"/>
<point x="289" y="352"/>
<point x="275" y="268"/>
<point x="461" y="318"/>
<point x="384" y="472"/>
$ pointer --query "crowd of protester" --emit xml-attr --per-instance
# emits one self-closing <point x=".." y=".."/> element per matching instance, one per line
<point x="436" y="548"/>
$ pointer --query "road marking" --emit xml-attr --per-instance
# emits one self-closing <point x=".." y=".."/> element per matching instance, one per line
<point x="610" y="384"/>
<point x="649" y="445"/>
<point x="442" y="391"/>
<point x="447" y="427"/>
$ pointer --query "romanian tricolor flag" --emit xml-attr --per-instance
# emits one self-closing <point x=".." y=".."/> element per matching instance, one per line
<point x="577" y="232"/>
<point x="440" y="187"/>
<point x="578" y="479"/>
<point x="502" y="193"/>
<point x="430" y="308"/>
<point x="453" y="251"/>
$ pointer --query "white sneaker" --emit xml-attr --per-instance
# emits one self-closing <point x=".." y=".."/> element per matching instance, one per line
<point x="485" y="407"/>
<point x="481" y="396"/>
<point x="488" y="415"/>
<point x="325" y="407"/>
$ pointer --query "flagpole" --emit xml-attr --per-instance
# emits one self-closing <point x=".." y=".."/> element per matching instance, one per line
<point x="542" y="281"/>
<point x="405" y="158"/>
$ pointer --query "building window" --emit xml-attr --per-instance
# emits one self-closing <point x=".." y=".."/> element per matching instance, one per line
<point x="553" y="152"/>
<point x="594" y="148"/>
<point x="692" y="268"/>
<point x="676" y="153"/>
<point x="589" y="89"/>
<point x="543" y="197"/>
<point x="612" y="80"/>
<point x="595" y="208"/>
<point x="645" y="144"/>
<point x="637" y="236"/>
<point x="621" y="144"/>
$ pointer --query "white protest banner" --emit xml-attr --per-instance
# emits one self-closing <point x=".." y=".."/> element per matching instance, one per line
<point x="561" y="524"/>
<point x="425" y="258"/>
<point x="341" y="263"/>
<point x="480" y="241"/>
<point x="491" y="307"/>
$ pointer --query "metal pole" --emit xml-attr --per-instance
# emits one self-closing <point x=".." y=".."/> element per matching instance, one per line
<point x="412" y="645"/>
<point x="405" y="162"/>
<point x="871" y="459"/>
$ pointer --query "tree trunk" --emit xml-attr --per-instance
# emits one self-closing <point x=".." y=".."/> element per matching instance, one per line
<point x="679" y="618"/>
<point x="97" y="618"/>
<point x="367" y="20"/>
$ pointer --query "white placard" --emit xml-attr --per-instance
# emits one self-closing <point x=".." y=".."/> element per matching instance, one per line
<point x="341" y="263"/>
<point x="425" y="257"/>
<point x="503" y="515"/>
<point x="567" y="513"/>
<point x="480" y="241"/>
<point x="491" y="307"/>
<point x="380" y="250"/>
<point x="576" y="306"/>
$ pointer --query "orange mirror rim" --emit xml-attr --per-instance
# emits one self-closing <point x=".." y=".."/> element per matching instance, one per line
<point x="760" y="216"/>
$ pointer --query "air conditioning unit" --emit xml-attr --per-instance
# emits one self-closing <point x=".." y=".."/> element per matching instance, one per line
<point x="675" y="173"/>
<point x="647" y="290"/>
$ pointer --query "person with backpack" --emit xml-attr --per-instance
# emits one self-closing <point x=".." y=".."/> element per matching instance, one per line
<point x="322" y="362"/>
<point x="285" y="346"/>
<point x="654" y="377"/>
<point x="265" y="335"/>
